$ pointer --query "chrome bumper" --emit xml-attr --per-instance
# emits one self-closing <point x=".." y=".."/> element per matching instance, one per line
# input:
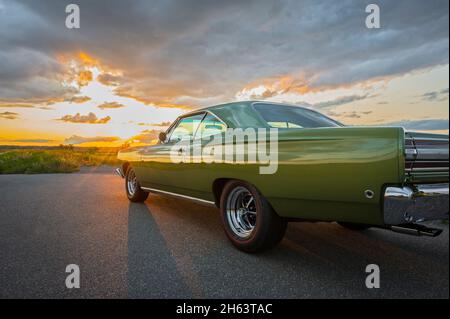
<point x="415" y="203"/>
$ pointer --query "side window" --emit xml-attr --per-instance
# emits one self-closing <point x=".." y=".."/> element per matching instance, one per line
<point x="210" y="126"/>
<point x="186" y="128"/>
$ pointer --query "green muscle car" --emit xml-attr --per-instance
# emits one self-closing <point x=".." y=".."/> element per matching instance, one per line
<point x="317" y="170"/>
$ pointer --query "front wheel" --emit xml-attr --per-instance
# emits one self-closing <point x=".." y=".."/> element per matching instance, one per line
<point x="132" y="187"/>
<point x="249" y="221"/>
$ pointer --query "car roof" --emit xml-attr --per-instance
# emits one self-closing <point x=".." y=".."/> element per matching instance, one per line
<point x="239" y="114"/>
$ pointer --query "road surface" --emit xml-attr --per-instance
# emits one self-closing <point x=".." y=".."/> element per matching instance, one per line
<point x="173" y="248"/>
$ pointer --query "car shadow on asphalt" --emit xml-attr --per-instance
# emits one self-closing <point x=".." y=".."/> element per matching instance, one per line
<point x="152" y="272"/>
<point x="178" y="249"/>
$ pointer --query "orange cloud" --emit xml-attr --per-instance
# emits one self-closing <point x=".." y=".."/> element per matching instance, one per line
<point x="145" y="137"/>
<point x="110" y="105"/>
<point x="153" y="102"/>
<point x="84" y="77"/>
<point x="109" y="79"/>
<point x="9" y="115"/>
<point x="88" y="60"/>
<point x="162" y="124"/>
<point x="78" y="99"/>
<point x="76" y="139"/>
<point x="12" y="105"/>
<point x="273" y="86"/>
<point x="90" y="118"/>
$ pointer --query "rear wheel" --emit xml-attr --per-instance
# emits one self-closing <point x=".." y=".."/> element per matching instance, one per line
<point x="249" y="221"/>
<point x="354" y="226"/>
<point x="132" y="187"/>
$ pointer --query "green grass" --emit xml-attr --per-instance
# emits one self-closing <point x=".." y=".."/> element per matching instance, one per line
<point x="53" y="161"/>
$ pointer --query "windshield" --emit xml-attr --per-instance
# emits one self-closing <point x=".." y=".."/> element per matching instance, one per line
<point x="285" y="116"/>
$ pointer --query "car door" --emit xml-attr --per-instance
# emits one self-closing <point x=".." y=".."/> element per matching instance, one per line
<point x="162" y="172"/>
<point x="206" y="167"/>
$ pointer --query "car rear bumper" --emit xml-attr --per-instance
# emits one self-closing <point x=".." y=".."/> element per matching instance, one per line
<point x="415" y="203"/>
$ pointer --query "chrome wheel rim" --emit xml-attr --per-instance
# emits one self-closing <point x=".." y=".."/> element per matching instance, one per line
<point x="132" y="183"/>
<point x="241" y="212"/>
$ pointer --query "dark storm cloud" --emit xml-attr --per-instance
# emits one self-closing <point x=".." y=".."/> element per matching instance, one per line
<point x="172" y="51"/>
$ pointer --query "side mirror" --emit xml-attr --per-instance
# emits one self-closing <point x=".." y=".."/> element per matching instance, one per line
<point x="162" y="137"/>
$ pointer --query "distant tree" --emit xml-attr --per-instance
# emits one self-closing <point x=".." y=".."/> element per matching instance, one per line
<point x="125" y="145"/>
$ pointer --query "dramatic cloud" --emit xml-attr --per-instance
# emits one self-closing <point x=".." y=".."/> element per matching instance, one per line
<point x="110" y="105"/>
<point x="327" y="105"/>
<point x="32" y="141"/>
<point x="348" y="115"/>
<point x="13" y="105"/>
<point x="75" y="139"/>
<point x="78" y="99"/>
<point x="9" y="115"/>
<point x="146" y="137"/>
<point x="109" y="79"/>
<point x="340" y="101"/>
<point x="181" y="53"/>
<point x="90" y="118"/>
<point x="422" y="125"/>
<point x="23" y="105"/>
<point x="162" y="124"/>
<point x="436" y="96"/>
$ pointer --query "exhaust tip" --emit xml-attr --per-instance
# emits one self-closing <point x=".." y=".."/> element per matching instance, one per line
<point x="416" y="230"/>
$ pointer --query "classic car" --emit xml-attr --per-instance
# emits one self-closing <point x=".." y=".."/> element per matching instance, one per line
<point x="359" y="177"/>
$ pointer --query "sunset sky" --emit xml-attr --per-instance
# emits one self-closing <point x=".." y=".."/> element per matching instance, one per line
<point x="134" y="66"/>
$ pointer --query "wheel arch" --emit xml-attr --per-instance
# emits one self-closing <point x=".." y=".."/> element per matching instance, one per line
<point x="125" y="166"/>
<point x="217" y="188"/>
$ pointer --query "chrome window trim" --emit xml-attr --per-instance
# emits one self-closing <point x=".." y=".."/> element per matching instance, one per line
<point x="170" y="130"/>
<point x="155" y="190"/>
<point x="220" y="120"/>
<point x="173" y="126"/>
<point x="210" y="113"/>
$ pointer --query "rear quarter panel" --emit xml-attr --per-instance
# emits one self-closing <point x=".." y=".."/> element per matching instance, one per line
<point x="323" y="173"/>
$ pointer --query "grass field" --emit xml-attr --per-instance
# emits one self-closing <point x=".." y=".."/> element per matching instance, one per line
<point x="35" y="161"/>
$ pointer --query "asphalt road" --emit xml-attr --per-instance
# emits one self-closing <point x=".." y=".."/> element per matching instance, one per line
<point x="173" y="248"/>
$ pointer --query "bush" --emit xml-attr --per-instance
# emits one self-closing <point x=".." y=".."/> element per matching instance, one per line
<point x="52" y="161"/>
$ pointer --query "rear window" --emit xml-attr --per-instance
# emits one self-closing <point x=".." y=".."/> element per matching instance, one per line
<point x="285" y="116"/>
